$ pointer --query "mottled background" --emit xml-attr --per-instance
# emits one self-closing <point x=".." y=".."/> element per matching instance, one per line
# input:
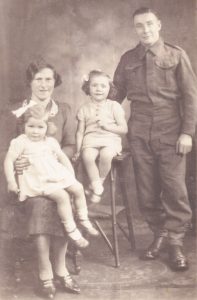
<point x="77" y="36"/>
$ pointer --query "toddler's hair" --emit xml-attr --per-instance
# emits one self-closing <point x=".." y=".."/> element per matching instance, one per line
<point x="38" y="112"/>
<point x="94" y="73"/>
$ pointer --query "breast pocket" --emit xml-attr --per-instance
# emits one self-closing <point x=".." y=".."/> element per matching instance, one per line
<point x="134" y="75"/>
<point x="166" y="72"/>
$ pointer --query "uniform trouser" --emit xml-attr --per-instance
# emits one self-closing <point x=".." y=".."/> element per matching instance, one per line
<point x="162" y="193"/>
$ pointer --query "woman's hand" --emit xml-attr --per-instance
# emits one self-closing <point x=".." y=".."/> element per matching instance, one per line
<point x="13" y="187"/>
<point x="21" y="164"/>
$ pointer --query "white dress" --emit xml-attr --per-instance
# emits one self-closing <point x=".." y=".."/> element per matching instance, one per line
<point x="45" y="174"/>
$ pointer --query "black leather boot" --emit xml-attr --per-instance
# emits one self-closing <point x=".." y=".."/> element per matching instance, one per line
<point x="177" y="259"/>
<point x="154" y="249"/>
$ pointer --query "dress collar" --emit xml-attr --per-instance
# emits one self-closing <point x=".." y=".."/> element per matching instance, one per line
<point x="52" y="108"/>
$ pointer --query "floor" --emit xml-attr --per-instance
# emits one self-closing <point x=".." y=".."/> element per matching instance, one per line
<point x="99" y="279"/>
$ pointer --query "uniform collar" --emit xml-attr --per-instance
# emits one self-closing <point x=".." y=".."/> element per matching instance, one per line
<point x="156" y="49"/>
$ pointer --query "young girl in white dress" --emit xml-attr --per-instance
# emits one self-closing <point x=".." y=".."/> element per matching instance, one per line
<point x="101" y="123"/>
<point x="50" y="173"/>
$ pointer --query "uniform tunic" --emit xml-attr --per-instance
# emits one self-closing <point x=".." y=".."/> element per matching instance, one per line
<point x="162" y="88"/>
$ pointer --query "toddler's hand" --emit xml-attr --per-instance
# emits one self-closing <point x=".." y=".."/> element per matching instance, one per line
<point x="102" y="123"/>
<point x="75" y="157"/>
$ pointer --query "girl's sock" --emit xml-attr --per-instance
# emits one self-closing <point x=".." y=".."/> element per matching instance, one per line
<point x="97" y="187"/>
<point x="102" y="180"/>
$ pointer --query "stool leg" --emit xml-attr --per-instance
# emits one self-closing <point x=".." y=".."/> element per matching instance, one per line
<point x="127" y="207"/>
<point x="113" y="209"/>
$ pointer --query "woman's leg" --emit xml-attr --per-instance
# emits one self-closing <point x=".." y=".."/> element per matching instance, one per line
<point x="59" y="245"/>
<point x="42" y="243"/>
<point x="60" y="269"/>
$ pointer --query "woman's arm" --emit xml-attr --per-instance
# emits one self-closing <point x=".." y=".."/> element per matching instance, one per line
<point x="68" y="129"/>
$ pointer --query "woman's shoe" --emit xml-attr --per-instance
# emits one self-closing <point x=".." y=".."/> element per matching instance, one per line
<point x="68" y="284"/>
<point x="47" y="288"/>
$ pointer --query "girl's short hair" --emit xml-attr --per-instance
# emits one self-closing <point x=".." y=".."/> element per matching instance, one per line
<point x="38" y="112"/>
<point x="38" y="65"/>
<point x="86" y="82"/>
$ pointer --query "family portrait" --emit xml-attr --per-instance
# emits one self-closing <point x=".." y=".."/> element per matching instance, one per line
<point x="98" y="149"/>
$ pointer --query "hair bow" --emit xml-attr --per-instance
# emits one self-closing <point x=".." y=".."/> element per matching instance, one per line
<point x="21" y="110"/>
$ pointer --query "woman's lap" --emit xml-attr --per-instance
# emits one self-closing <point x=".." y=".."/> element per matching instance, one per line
<point x="36" y="215"/>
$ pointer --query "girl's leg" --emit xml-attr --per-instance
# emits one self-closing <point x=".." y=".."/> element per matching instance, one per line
<point x="81" y="207"/>
<point x="64" y="209"/>
<point x="89" y="156"/>
<point x="105" y="160"/>
<point x="42" y="243"/>
<point x="65" y="213"/>
<point x="79" y="199"/>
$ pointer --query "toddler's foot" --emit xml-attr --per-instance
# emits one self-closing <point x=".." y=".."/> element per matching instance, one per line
<point x="77" y="239"/>
<point x="88" y="227"/>
<point x="95" y="198"/>
<point x="97" y="191"/>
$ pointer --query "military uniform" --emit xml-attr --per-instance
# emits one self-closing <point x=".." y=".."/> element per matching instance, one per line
<point x="162" y="88"/>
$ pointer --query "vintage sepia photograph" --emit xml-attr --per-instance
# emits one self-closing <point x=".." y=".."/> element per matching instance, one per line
<point x="98" y="149"/>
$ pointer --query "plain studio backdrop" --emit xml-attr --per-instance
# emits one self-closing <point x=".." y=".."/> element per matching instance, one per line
<point x="76" y="36"/>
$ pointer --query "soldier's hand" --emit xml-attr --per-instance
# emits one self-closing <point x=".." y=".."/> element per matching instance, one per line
<point x="184" y="144"/>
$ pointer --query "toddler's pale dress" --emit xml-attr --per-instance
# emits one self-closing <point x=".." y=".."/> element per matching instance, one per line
<point x="45" y="174"/>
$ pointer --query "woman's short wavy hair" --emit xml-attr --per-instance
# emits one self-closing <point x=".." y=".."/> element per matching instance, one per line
<point x="86" y="82"/>
<point x="38" y="65"/>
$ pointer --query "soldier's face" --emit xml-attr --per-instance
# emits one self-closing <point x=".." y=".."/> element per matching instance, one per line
<point x="147" y="27"/>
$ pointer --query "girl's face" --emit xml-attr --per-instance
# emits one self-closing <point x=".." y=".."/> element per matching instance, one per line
<point x="35" y="129"/>
<point x="42" y="85"/>
<point x="99" y="88"/>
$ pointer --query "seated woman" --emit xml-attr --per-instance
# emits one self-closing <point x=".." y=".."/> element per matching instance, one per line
<point x="38" y="217"/>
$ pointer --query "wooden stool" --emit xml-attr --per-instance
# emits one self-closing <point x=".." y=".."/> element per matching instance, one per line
<point x="117" y="168"/>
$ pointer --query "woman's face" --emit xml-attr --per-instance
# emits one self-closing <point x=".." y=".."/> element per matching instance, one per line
<point x="42" y="85"/>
